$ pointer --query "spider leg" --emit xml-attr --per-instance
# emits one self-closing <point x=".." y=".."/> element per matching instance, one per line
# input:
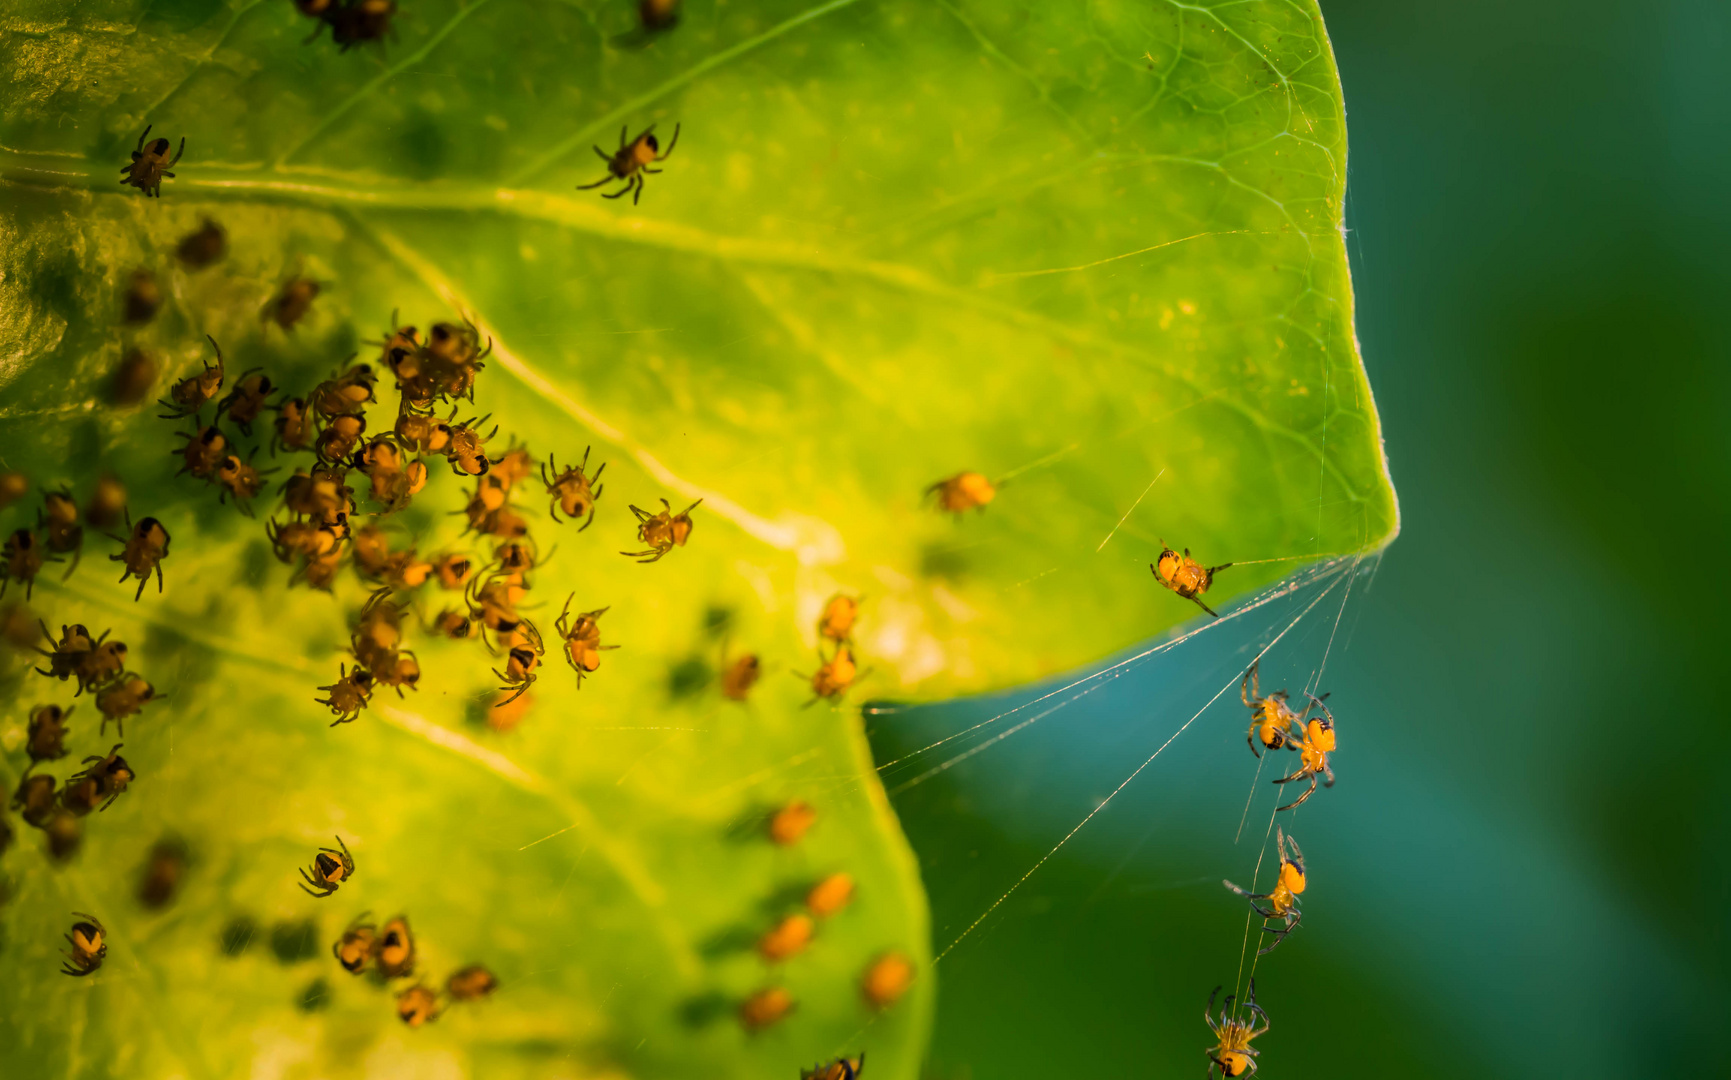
<point x="179" y="152"/>
<point x="1308" y="792"/>
<point x="145" y="136"/>
<point x="591" y="520"/>
<point x="591" y="187"/>
<point x="1245" y="691"/>
<point x="1260" y="1015"/>
<point x="671" y="143"/>
<point x="622" y="132"/>
<point x="620" y="194"/>
<point x="638" y="179"/>
<point x="1204" y="607"/>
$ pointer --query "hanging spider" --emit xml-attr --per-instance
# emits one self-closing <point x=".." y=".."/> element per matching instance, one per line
<point x="356" y="21"/>
<point x="348" y="695"/>
<point x="963" y="492"/>
<point x="130" y="381"/>
<point x="146" y="547"/>
<point x="192" y="393"/>
<point x="143" y="297"/>
<point x="422" y="432"/>
<point x="514" y="466"/>
<point x="417" y="1005"/>
<point x="832" y="679"/>
<point x="398" y="670"/>
<point x="337" y="440"/>
<point x="739" y="677"/>
<point x="454" y="625"/>
<point x="1283" y="899"/>
<point x="513" y="559"/>
<point x="836" y="622"/>
<point x="396" y="949"/>
<point x="203" y="451"/>
<point x="398" y="345"/>
<point x="88" y="946"/>
<point x="1233" y="1055"/>
<point x="520" y="662"/>
<point x="205" y="245"/>
<point x="65" y="534"/>
<point x="582" y="636"/>
<point x="572" y="491"/>
<point x="467" y="451"/>
<point x="659" y="15"/>
<point x="104" y="663"/>
<point x="150" y="167"/>
<point x="631" y="161"/>
<point x="65" y="655"/>
<point x="240" y="479"/>
<point x="330" y="868"/>
<point x="1270" y="717"/>
<point x="107" y="502"/>
<point x="45" y="738"/>
<point x="662" y="532"/>
<point x="493" y="605"/>
<point x="23" y="559"/>
<point x="471" y="983"/>
<point x="290" y="305"/>
<point x="34" y="799"/>
<point x="128" y="696"/>
<point x="839" y="1069"/>
<point x="111" y="774"/>
<point x="1184" y="575"/>
<point x="354" y="950"/>
<point x="380" y="622"/>
<point x="1314" y="743"/>
<point x="346" y="393"/>
<point x="294" y="427"/>
<point x="249" y="398"/>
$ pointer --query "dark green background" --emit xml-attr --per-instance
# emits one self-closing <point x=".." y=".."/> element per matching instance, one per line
<point x="1521" y="869"/>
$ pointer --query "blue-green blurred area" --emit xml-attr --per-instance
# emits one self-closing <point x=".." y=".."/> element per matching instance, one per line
<point x="1521" y="868"/>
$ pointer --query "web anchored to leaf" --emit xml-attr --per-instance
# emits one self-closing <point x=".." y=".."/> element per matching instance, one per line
<point x="1072" y="276"/>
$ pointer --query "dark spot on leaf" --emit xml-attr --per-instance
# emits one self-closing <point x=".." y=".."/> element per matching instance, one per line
<point x="728" y="941"/>
<point x="293" y="942"/>
<point x="717" y="620"/>
<point x="316" y="997"/>
<point x="237" y="936"/>
<point x="423" y="147"/>
<point x="689" y="676"/>
<point x="938" y="561"/>
<point x="701" y="1010"/>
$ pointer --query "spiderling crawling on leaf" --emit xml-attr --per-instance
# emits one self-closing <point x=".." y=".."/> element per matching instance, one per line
<point x="150" y="166"/>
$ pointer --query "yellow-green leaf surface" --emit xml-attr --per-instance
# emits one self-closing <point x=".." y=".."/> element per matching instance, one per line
<point x="1090" y="251"/>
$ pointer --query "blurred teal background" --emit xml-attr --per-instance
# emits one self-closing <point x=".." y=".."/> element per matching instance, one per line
<point x="1520" y="869"/>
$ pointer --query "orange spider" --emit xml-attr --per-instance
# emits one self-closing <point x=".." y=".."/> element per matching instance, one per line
<point x="1283" y="898"/>
<point x="1185" y="576"/>
<point x="1313" y="744"/>
<point x="1234" y="1056"/>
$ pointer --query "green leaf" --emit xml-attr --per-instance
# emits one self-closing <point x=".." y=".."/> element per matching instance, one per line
<point x="1092" y="254"/>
